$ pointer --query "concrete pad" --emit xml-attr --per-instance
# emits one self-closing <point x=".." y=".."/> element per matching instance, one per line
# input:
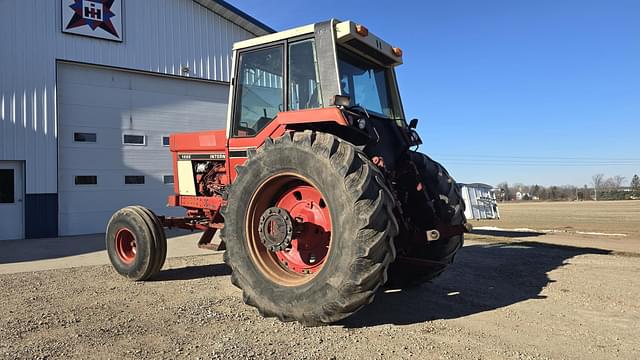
<point x="75" y="251"/>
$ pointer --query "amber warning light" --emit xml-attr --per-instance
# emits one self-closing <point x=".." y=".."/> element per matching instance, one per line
<point x="397" y="51"/>
<point x="362" y="30"/>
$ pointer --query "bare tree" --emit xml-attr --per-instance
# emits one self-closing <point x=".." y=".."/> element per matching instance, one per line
<point x="618" y="180"/>
<point x="608" y="184"/>
<point x="598" y="180"/>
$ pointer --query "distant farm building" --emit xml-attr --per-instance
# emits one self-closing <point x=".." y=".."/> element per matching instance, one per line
<point x="480" y="201"/>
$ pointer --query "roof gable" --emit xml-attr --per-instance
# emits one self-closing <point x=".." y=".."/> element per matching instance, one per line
<point x="237" y="16"/>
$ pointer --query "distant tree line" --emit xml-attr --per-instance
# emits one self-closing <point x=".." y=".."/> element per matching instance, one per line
<point x="601" y="188"/>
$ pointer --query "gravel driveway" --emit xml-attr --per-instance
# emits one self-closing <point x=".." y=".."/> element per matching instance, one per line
<point x="498" y="301"/>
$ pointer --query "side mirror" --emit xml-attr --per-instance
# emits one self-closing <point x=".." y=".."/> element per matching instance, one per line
<point x="341" y="100"/>
<point x="413" y="124"/>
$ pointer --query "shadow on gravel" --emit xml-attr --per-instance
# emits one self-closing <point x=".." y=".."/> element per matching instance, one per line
<point x="193" y="272"/>
<point x="483" y="277"/>
<point x="506" y="233"/>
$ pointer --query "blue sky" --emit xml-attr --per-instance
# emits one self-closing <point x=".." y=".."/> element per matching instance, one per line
<point x="542" y="91"/>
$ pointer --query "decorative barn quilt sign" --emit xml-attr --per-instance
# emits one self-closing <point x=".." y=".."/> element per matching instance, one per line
<point x="95" y="18"/>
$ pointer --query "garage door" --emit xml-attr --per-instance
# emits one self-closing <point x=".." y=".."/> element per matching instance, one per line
<point x="112" y="145"/>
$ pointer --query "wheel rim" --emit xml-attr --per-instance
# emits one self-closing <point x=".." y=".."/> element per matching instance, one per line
<point x="126" y="246"/>
<point x="309" y="248"/>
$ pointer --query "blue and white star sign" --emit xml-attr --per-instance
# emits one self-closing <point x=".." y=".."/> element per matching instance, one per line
<point x="95" y="18"/>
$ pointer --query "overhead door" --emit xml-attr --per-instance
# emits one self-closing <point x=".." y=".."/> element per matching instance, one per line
<point x="113" y="136"/>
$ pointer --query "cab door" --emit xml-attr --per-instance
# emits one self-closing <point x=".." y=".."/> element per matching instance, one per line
<point x="266" y="85"/>
<point x="259" y="95"/>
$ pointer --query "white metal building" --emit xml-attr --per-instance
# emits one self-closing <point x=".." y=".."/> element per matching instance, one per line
<point x="89" y="92"/>
<point x="480" y="201"/>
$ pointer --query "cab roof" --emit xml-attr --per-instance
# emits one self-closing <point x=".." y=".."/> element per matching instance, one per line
<point x="347" y="34"/>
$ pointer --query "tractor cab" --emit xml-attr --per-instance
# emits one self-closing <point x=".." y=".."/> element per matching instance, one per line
<point x="288" y="76"/>
<point x="305" y="68"/>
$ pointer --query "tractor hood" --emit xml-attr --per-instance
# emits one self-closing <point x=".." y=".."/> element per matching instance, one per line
<point x="199" y="141"/>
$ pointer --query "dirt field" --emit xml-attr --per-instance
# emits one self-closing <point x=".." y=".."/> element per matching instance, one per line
<point x="611" y="225"/>
<point x="499" y="300"/>
<point x="588" y="216"/>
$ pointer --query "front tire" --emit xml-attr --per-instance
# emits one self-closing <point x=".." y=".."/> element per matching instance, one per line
<point x="136" y="243"/>
<point x="343" y="196"/>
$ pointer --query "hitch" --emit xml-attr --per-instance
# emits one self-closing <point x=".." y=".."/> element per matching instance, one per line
<point x="433" y="235"/>
<point x="447" y="231"/>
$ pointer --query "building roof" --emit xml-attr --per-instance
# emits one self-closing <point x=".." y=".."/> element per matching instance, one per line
<point x="477" y="185"/>
<point x="237" y="16"/>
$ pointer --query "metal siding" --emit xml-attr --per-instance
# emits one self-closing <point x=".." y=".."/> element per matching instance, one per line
<point x="159" y="36"/>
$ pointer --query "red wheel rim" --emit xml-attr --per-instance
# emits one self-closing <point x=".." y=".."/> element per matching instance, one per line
<point x="126" y="245"/>
<point x="310" y="243"/>
<point x="311" y="240"/>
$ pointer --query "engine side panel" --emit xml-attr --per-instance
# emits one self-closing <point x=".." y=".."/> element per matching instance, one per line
<point x="186" y="185"/>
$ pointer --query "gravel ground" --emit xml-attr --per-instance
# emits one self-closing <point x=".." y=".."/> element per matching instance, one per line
<point x="498" y="300"/>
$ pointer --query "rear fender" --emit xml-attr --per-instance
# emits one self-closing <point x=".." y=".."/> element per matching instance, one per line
<point x="239" y="146"/>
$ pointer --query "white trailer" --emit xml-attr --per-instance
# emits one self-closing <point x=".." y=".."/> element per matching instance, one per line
<point x="480" y="201"/>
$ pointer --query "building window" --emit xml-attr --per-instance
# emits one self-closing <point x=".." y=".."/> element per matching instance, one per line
<point x="129" y="139"/>
<point x="134" y="180"/>
<point x="165" y="141"/>
<point x="167" y="179"/>
<point x="84" y="137"/>
<point x="86" y="180"/>
<point x="7" y="187"/>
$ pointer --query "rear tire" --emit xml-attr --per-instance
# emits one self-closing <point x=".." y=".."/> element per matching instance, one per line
<point x="448" y="206"/>
<point x="362" y="228"/>
<point x="136" y="243"/>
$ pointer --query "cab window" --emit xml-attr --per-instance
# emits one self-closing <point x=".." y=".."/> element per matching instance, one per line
<point x="304" y="88"/>
<point x="367" y="84"/>
<point x="259" y="90"/>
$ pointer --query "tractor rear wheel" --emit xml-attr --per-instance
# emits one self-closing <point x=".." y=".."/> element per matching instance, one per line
<point x="136" y="243"/>
<point x="446" y="209"/>
<point x="309" y="229"/>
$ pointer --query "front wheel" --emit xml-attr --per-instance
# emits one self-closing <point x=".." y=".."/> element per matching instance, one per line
<point x="308" y="229"/>
<point x="136" y="243"/>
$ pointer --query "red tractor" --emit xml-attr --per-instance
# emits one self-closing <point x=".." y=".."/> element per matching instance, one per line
<point x="319" y="198"/>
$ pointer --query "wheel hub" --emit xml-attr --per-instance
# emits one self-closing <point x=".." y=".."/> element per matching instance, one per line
<point x="312" y="233"/>
<point x="289" y="229"/>
<point x="126" y="245"/>
<point x="276" y="229"/>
